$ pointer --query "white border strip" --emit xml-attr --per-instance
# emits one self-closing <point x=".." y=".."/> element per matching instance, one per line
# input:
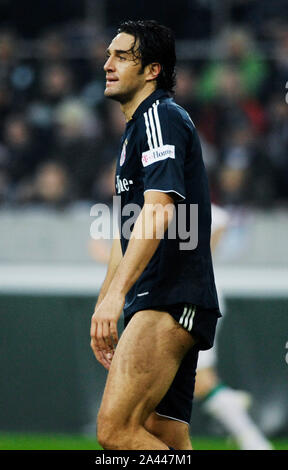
<point x="86" y="279"/>
<point x="170" y="417"/>
<point x="162" y="191"/>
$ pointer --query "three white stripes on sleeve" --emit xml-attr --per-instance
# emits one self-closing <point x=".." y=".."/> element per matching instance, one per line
<point x="153" y="127"/>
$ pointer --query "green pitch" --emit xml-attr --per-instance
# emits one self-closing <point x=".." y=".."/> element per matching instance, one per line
<point x="67" y="442"/>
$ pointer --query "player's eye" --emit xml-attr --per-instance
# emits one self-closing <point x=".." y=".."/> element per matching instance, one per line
<point x="122" y="58"/>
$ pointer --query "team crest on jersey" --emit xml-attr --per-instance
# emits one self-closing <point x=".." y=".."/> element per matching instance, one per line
<point x="123" y="153"/>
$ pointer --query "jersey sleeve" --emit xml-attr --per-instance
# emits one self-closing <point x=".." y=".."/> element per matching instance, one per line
<point x="163" y="155"/>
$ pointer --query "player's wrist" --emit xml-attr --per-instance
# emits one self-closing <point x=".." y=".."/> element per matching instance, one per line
<point x="115" y="295"/>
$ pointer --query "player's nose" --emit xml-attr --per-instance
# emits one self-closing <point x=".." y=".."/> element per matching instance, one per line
<point x="109" y="64"/>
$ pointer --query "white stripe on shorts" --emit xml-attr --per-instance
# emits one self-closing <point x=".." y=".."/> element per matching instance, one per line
<point x="187" y="317"/>
<point x="191" y="319"/>
<point x="183" y="315"/>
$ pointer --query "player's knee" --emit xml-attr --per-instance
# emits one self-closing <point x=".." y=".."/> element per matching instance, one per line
<point x="106" y="432"/>
<point x="110" y="433"/>
<point x="173" y="433"/>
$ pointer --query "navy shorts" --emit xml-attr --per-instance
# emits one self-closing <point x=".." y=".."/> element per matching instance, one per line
<point x="201" y="323"/>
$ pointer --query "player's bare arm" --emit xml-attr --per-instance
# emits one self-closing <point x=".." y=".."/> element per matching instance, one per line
<point x="114" y="261"/>
<point x="148" y="230"/>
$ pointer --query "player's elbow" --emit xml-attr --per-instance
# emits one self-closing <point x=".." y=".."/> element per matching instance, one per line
<point x="162" y="216"/>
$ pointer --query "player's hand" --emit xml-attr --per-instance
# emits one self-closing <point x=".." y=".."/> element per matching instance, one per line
<point x="103" y="331"/>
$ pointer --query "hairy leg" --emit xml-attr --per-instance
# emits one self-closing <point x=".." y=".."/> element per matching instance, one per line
<point x="145" y="363"/>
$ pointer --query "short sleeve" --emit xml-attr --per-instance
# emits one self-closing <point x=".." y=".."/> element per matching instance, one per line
<point x="163" y="157"/>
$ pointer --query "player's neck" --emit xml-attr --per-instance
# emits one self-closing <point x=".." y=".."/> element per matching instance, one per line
<point x="130" y="107"/>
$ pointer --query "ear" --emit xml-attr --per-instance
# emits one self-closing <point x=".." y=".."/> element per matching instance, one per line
<point x="153" y="71"/>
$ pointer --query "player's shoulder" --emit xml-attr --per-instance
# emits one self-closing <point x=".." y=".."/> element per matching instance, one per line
<point x="167" y="113"/>
<point x="173" y="111"/>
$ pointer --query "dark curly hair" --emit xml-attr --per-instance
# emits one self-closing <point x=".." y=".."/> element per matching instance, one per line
<point x="153" y="43"/>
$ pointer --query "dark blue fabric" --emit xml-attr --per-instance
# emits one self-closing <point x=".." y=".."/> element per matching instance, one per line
<point x="173" y="275"/>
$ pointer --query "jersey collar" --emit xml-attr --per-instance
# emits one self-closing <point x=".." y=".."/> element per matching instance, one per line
<point x="147" y="103"/>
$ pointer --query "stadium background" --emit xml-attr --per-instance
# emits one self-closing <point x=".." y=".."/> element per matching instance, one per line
<point x="58" y="140"/>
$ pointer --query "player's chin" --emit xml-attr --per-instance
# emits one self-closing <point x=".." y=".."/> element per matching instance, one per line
<point x="113" y="95"/>
<point x="110" y="90"/>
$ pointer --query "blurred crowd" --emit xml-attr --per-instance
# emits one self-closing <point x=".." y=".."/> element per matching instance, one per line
<point x="59" y="136"/>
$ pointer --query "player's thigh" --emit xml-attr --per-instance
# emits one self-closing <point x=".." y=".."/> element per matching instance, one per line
<point x="144" y="365"/>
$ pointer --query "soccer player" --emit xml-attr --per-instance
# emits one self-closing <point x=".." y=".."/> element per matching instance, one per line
<point x="161" y="278"/>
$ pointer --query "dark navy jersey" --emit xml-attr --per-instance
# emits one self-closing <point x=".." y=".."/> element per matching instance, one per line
<point x="160" y="151"/>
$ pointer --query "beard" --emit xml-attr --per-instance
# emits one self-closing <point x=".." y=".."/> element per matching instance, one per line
<point x="122" y="96"/>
